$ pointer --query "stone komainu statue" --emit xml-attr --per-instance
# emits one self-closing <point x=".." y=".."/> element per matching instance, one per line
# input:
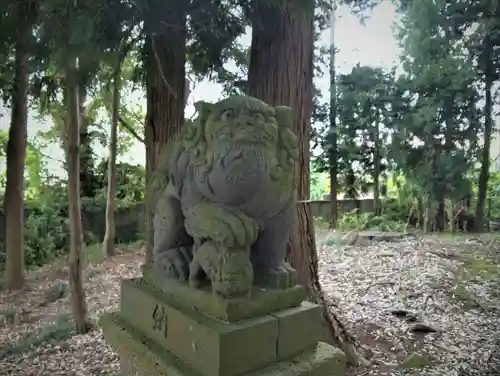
<point x="224" y="196"/>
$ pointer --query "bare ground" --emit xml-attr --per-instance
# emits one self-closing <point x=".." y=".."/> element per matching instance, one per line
<point x="382" y="291"/>
<point x="449" y="288"/>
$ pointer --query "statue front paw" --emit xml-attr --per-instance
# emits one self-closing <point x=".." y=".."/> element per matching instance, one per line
<point x="174" y="263"/>
<point x="282" y="276"/>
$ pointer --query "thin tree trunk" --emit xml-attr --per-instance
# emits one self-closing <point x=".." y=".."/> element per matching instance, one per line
<point x="109" y="236"/>
<point x="421" y="213"/>
<point x="16" y="155"/>
<point x="165" y="91"/>
<point x="333" y="124"/>
<point x="78" y="302"/>
<point x="376" y="169"/>
<point x="281" y="73"/>
<point x="485" y="157"/>
<point x="88" y="185"/>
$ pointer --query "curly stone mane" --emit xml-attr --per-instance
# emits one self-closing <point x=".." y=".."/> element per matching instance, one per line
<point x="192" y="140"/>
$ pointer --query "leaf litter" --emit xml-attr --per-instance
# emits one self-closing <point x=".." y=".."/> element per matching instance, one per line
<point x="436" y="299"/>
<point x="415" y="305"/>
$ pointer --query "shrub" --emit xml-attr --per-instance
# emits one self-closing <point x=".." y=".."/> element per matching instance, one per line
<point x="354" y="220"/>
<point x="47" y="225"/>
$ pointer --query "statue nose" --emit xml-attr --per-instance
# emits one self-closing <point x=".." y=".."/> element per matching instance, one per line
<point x="245" y="122"/>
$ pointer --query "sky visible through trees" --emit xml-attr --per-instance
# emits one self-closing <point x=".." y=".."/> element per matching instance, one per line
<point x="372" y="44"/>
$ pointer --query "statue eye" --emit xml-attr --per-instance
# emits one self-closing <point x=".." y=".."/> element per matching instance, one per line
<point x="259" y="117"/>
<point x="227" y="115"/>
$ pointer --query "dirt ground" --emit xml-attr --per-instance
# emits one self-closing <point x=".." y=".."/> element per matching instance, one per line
<point x="429" y="304"/>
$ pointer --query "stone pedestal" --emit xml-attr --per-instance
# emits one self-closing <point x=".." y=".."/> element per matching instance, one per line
<point x="167" y="328"/>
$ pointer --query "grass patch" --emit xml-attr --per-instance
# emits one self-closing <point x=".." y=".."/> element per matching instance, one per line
<point x="475" y="268"/>
<point x="94" y="253"/>
<point x="132" y="247"/>
<point x="62" y="329"/>
<point x="331" y="240"/>
<point x="320" y="223"/>
<point x="459" y="238"/>
<point x="8" y="315"/>
<point x="467" y="297"/>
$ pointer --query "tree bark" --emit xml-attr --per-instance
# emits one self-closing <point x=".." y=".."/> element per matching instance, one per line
<point x="165" y="91"/>
<point x="333" y="124"/>
<point x="88" y="180"/>
<point x="78" y="302"/>
<point x="16" y="154"/>
<point x="281" y="73"/>
<point x="110" y="234"/>
<point x="484" y="174"/>
<point x="376" y="169"/>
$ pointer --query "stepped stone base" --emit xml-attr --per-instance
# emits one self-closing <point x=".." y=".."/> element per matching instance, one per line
<point x="140" y="356"/>
<point x="158" y="332"/>
<point x="259" y="302"/>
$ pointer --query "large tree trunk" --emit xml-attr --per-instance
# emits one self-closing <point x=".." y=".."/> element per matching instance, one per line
<point x="165" y="90"/>
<point x="333" y="153"/>
<point x="78" y="303"/>
<point x="109" y="236"/>
<point x="484" y="174"/>
<point x="16" y="155"/>
<point x="281" y="73"/>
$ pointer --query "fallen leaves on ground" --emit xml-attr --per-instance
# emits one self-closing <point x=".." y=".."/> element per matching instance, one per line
<point x="409" y="302"/>
<point x="82" y="355"/>
<point x="400" y="300"/>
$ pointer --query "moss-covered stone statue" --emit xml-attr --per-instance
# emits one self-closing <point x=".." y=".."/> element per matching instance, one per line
<point x="220" y="299"/>
<point x="224" y="194"/>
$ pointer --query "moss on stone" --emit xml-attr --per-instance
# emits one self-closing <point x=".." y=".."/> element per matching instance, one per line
<point x="141" y="356"/>
<point x="259" y="302"/>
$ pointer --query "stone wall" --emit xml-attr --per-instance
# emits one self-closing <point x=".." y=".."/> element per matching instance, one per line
<point x="130" y="222"/>
<point x="321" y="208"/>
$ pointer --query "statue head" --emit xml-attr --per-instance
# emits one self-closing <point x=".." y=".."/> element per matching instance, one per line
<point x="239" y="140"/>
<point x="241" y="122"/>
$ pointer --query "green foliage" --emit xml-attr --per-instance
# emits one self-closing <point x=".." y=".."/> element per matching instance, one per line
<point x="318" y="185"/>
<point x="36" y="172"/>
<point x="493" y="195"/>
<point x="426" y="124"/>
<point x="360" y="6"/>
<point x="130" y="183"/>
<point x="364" y="107"/>
<point x="439" y="104"/>
<point x="46" y="228"/>
<point x="354" y="220"/>
<point x="402" y="201"/>
<point x="46" y="214"/>
<point x="320" y="223"/>
<point x="449" y="50"/>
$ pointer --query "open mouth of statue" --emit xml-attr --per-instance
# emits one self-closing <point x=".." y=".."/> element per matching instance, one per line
<point x="238" y="155"/>
<point x="231" y="158"/>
